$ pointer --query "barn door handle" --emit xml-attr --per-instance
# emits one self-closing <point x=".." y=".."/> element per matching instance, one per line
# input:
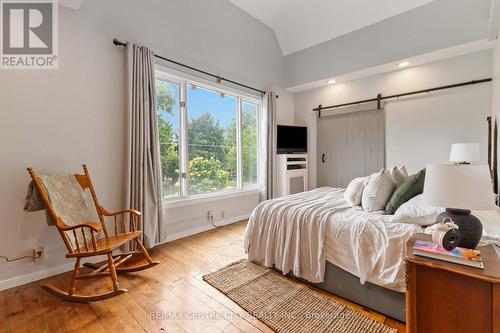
<point x="323" y="158"/>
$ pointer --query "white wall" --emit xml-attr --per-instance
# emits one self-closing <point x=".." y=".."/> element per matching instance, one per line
<point x="56" y="120"/>
<point x="435" y="26"/>
<point x="419" y="129"/>
<point x="496" y="80"/>
<point x="185" y="219"/>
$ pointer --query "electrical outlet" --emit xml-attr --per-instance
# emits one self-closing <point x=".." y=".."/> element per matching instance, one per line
<point x="222" y="214"/>
<point x="38" y="253"/>
<point x="210" y="215"/>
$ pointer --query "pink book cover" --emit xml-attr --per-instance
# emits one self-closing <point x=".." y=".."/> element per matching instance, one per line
<point x="459" y="252"/>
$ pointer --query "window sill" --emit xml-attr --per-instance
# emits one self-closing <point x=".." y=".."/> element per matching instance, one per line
<point x="172" y="203"/>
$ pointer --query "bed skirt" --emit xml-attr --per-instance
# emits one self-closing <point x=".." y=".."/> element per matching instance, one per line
<point x="346" y="285"/>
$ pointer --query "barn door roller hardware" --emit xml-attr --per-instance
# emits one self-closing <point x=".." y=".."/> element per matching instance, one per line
<point x="380" y="98"/>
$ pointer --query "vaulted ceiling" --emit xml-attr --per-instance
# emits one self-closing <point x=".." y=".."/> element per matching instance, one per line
<point x="299" y="24"/>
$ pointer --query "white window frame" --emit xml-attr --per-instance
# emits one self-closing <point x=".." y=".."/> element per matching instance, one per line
<point x="183" y="80"/>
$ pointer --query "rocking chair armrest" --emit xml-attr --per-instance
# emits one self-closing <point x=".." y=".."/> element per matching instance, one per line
<point x="121" y="212"/>
<point x="91" y="225"/>
<point x="134" y="214"/>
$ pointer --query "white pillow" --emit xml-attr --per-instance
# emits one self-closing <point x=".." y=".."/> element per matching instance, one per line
<point x="414" y="211"/>
<point x="399" y="175"/>
<point x="378" y="191"/>
<point x="354" y="191"/>
<point x="402" y="169"/>
<point x="490" y="219"/>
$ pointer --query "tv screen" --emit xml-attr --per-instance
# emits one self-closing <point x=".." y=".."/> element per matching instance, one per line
<point x="291" y="139"/>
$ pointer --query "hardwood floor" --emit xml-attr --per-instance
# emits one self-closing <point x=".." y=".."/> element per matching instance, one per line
<point x="171" y="297"/>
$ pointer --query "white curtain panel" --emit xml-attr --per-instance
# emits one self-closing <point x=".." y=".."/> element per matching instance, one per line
<point x="268" y="146"/>
<point x="143" y="169"/>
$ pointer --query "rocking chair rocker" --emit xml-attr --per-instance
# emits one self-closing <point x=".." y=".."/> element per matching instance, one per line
<point x="82" y="241"/>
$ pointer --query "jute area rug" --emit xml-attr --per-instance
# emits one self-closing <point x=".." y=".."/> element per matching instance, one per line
<point x="287" y="305"/>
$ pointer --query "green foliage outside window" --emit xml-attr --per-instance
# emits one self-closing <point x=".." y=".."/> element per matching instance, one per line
<point x="207" y="175"/>
<point x="212" y="149"/>
<point x="249" y="149"/>
<point x="169" y="148"/>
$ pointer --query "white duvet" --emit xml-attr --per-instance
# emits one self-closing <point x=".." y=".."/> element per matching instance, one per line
<point x="300" y="232"/>
<point x="369" y="246"/>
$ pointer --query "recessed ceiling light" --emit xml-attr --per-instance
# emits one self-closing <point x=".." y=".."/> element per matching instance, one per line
<point x="331" y="81"/>
<point x="403" y="64"/>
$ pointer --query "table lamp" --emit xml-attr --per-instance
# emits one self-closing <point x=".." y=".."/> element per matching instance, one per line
<point x="460" y="188"/>
<point x="464" y="153"/>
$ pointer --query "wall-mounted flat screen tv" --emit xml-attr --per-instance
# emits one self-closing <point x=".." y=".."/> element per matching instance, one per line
<point x="291" y="139"/>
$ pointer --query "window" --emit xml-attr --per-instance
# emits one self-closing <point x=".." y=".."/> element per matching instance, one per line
<point x="168" y="97"/>
<point x="208" y="138"/>
<point x="211" y="140"/>
<point x="249" y="116"/>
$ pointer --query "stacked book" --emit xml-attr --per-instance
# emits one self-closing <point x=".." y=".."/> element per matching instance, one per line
<point x="459" y="255"/>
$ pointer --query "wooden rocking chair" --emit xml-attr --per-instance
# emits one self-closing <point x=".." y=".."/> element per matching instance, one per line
<point x="90" y="245"/>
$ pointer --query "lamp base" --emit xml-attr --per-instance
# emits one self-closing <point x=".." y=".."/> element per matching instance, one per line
<point x="469" y="226"/>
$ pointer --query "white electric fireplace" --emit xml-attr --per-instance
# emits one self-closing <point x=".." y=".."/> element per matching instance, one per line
<point x="291" y="174"/>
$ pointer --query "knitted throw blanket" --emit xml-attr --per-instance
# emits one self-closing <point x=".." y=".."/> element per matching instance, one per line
<point x="67" y="199"/>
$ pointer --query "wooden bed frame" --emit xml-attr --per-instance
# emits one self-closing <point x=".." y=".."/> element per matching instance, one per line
<point x="492" y="151"/>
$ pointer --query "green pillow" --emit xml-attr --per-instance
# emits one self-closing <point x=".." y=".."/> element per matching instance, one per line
<point x="412" y="186"/>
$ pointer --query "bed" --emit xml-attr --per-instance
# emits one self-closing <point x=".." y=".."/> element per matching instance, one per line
<point x="318" y="237"/>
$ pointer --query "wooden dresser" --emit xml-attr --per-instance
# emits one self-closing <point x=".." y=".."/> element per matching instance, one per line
<point x="444" y="297"/>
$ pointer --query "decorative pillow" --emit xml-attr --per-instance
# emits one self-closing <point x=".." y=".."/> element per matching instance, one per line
<point x="414" y="211"/>
<point x="399" y="175"/>
<point x="378" y="190"/>
<point x="411" y="187"/>
<point x="490" y="221"/>
<point x="354" y="191"/>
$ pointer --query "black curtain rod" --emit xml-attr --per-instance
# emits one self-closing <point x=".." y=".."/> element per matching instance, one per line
<point x="217" y="77"/>
<point x="380" y="98"/>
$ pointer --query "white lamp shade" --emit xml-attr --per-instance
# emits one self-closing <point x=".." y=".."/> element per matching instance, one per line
<point x="462" y="186"/>
<point x="464" y="152"/>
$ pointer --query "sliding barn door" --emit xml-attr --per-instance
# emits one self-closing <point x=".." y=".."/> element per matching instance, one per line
<point x="350" y="145"/>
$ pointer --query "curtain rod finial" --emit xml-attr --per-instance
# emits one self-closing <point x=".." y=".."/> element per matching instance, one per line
<point x="118" y="43"/>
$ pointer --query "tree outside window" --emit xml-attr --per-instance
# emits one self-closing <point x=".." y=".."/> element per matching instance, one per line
<point x="212" y="145"/>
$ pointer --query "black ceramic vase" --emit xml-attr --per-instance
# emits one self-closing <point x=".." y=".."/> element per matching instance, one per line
<point x="469" y="226"/>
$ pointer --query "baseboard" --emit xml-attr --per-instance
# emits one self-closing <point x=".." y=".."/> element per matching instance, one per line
<point x="35" y="276"/>
<point x="45" y="273"/>
<point x="207" y="227"/>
